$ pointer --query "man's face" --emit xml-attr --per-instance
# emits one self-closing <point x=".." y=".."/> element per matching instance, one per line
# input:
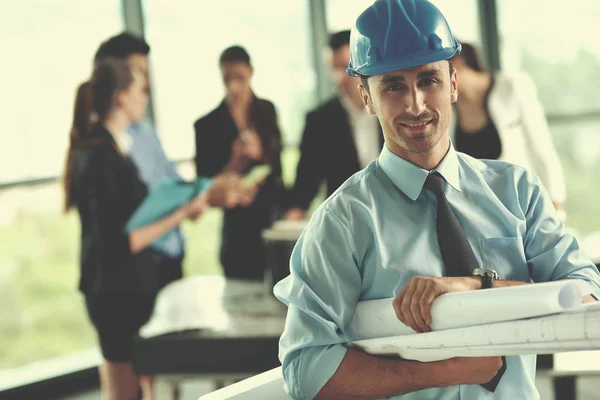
<point x="345" y="84"/>
<point x="139" y="62"/>
<point x="413" y="105"/>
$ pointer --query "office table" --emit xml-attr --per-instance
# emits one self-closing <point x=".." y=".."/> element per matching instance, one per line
<point x="211" y="328"/>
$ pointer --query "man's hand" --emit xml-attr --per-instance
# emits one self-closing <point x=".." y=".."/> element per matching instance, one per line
<point x="244" y="150"/>
<point x="228" y="191"/>
<point x="413" y="304"/>
<point x="295" y="214"/>
<point x="247" y="195"/>
<point x="224" y="191"/>
<point x="238" y="161"/>
<point x="194" y="208"/>
<point x="474" y="370"/>
<point x="588" y="299"/>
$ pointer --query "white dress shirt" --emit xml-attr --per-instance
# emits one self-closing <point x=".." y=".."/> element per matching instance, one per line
<point x="365" y="131"/>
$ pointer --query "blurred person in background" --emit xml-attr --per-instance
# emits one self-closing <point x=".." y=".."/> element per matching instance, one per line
<point x="339" y="139"/>
<point x="100" y="180"/>
<point x="242" y="132"/>
<point x="146" y="150"/>
<point x="500" y="117"/>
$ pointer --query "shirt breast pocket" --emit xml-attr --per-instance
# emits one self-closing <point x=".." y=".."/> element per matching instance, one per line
<point x="505" y="255"/>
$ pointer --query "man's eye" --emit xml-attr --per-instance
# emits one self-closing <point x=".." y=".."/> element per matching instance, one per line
<point x="428" y="81"/>
<point x="393" y="88"/>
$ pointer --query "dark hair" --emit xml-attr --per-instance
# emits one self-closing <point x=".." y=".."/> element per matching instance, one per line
<point x="364" y="79"/>
<point x="93" y="102"/>
<point x="339" y="39"/>
<point x="472" y="57"/>
<point x="121" y="46"/>
<point x="235" y="54"/>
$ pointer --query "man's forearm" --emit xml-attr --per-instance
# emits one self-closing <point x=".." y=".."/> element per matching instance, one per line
<point x="363" y="376"/>
<point x="475" y="283"/>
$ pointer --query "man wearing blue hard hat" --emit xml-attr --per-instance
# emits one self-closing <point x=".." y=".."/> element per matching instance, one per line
<point x="420" y="221"/>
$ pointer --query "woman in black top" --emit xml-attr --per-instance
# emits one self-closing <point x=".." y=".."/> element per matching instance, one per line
<point x="103" y="184"/>
<point x="476" y="133"/>
<point x="239" y="134"/>
<point x="499" y="116"/>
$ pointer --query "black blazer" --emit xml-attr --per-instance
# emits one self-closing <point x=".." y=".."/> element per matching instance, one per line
<point x="106" y="190"/>
<point x="328" y="153"/>
<point x="242" y="249"/>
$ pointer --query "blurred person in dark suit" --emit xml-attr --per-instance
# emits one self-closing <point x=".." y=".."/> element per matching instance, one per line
<point x="120" y="273"/>
<point x="339" y="139"/>
<point x="241" y="133"/>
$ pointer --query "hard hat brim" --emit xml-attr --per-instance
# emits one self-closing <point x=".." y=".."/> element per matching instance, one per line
<point x="404" y="62"/>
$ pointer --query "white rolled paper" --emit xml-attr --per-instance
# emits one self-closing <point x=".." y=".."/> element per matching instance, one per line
<point x="376" y="318"/>
<point x="569" y="331"/>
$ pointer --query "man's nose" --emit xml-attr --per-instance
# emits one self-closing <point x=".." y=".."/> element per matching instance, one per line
<point x="415" y="102"/>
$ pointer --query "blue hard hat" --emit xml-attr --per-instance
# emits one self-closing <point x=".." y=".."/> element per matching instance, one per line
<point x="398" y="34"/>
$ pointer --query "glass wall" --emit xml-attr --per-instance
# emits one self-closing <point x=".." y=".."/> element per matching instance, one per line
<point x="47" y="48"/>
<point x="556" y="46"/>
<point x="186" y="42"/>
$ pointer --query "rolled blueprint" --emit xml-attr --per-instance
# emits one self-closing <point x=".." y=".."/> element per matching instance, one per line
<point x="574" y="330"/>
<point x="376" y="318"/>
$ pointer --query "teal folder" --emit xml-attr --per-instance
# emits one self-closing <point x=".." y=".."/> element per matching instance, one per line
<point x="165" y="198"/>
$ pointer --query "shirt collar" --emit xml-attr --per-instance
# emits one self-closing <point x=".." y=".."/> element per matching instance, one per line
<point x="410" y="178"/>
<point x="124" y="142"/>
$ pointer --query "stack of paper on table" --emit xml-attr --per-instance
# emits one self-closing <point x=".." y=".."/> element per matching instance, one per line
<point x="529" y="319"/>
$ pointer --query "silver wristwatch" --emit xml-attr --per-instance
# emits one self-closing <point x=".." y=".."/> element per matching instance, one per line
<point x="488" y="276"/>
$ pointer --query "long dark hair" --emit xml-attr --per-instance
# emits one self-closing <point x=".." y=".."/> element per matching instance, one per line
<point x="93" y="102"/>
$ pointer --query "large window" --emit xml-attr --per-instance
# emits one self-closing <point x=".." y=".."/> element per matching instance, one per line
<point x="556" y="45"/>
<point x="187" y="38"/>
<point x="47" y="48"/>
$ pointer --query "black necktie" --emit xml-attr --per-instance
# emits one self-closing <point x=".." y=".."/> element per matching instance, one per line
<point x="455" y="248"/>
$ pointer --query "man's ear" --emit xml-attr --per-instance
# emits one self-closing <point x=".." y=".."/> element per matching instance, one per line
<point x="453" y="86"/>
<point x="366" y="98"/>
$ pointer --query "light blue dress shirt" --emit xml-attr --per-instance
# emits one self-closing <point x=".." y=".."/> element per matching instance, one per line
<point x="377" y="231"/>
<point x="153" y="166"/>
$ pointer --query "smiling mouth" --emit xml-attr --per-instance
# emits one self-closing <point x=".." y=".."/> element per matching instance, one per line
<point x="417" y="124"/>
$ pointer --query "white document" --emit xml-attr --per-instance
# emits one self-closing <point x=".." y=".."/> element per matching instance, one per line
<point x="578" y="329"/>
<point x="376" y="318"/>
